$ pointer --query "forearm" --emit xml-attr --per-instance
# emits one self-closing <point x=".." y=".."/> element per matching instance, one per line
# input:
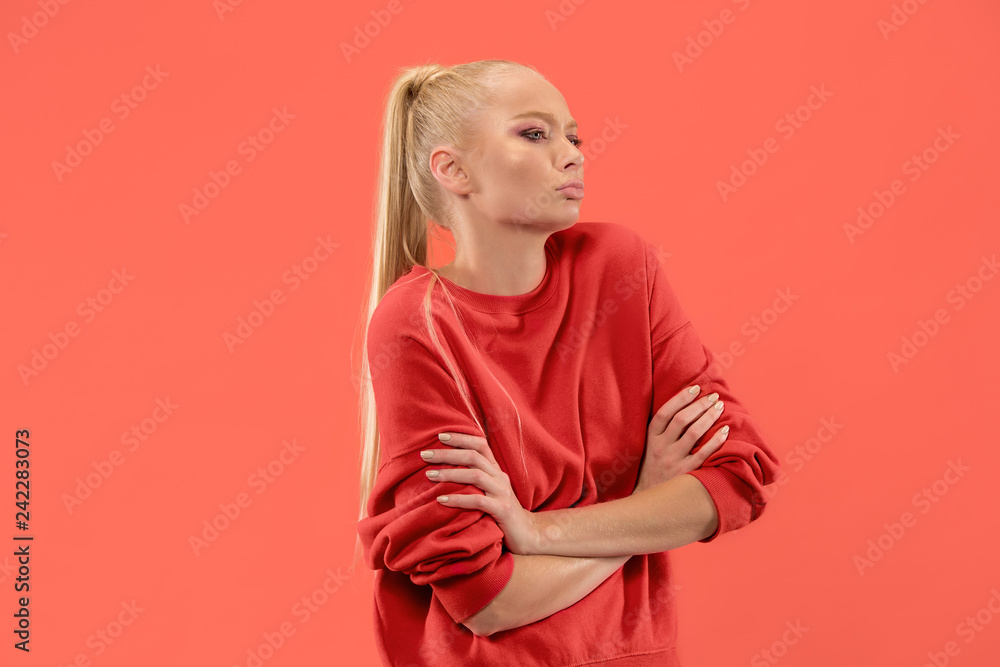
<point x="540" y="586"/>
<point x="667" y="516"/>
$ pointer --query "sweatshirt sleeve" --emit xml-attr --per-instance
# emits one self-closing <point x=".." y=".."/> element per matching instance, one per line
<point x="736" y="472"/>
<point x="458" y="552"/>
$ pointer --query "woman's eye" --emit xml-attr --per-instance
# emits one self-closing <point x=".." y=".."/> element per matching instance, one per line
<point x="575" y="140"/>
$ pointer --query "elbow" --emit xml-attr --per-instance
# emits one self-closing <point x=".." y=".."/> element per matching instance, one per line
<point x="484" y="622"/>
<point x="478" y="627"/>
<point x="477" y="630"/>
<point x="497" y="615"/>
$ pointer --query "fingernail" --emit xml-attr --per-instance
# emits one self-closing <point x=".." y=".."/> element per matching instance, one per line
<point x="444" y="437"/>
<point x="427" y="454"/>
<point x="443" y="499"/>
<point x="432" y="473"/>
<point x="694" y="390"/>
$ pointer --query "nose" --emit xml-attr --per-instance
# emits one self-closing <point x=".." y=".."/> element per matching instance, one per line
<point x="575" y="157"/>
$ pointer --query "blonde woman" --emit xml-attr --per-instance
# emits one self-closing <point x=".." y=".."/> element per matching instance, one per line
<point x="519" y="493"/>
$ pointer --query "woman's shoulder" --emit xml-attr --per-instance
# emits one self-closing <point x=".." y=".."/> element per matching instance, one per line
<point x="400" y="313"/>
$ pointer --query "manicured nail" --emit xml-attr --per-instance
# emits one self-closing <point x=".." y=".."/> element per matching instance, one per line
<point x="443" y="499"/>
<point x="427" y="454"/>
<point x="694" y="390"/>
<point x="444" y="437"/>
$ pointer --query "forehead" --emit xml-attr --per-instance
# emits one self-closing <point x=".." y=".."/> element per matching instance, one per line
<point x="525" y="93"/>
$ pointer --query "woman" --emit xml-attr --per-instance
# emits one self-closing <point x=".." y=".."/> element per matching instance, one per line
<point x="537" y="356"/>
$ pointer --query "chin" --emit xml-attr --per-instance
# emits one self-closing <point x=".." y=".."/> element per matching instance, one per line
<point x="559" y="215"/>
<point x="563" y="221"/>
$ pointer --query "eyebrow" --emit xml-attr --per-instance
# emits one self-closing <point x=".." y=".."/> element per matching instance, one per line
<point x="544" y="115"/>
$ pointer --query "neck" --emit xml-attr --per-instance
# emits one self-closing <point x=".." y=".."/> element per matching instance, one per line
<point x="500" y="264"/>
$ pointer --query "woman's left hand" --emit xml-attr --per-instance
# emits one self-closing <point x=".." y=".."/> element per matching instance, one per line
<point x="518" y="524"/>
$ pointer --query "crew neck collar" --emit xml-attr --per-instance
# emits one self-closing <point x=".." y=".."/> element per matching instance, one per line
<point x="512" y="304"/>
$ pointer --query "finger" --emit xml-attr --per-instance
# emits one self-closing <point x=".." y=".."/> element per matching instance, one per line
<point x="687" y="416"/>
<point x="710" y="447"/>
<point x="472" y="476"/>
<point x="466" y="441"/>
<point x="667" y="411"/>
<point x="693" y="434"/>
<point x="470" y="502"/>
<point x="459" y="457"/>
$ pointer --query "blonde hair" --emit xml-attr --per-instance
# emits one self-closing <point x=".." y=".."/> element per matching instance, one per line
<point x="426" y="106"/>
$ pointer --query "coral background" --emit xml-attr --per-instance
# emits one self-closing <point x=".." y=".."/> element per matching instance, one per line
<point x="185" y="230"/>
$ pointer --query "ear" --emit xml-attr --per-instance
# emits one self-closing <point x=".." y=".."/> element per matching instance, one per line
<point x="446" y="167"/>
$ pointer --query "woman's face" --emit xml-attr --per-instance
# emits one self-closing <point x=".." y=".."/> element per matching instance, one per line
<point x="524" y="149"/>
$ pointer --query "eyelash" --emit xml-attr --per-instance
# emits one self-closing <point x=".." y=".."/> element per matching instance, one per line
<point x="577" y="142"/>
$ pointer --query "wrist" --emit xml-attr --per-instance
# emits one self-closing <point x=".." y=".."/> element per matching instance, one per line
<point x="550" y="531"/>
<point x="544" y="532"/>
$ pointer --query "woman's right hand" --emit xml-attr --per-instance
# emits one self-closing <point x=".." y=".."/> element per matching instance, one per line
<point x="673" y="432"/>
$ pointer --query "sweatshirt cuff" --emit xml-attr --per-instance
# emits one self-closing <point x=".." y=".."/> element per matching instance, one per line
<point x="731" y="495"/>
<point x="464" y="595"/>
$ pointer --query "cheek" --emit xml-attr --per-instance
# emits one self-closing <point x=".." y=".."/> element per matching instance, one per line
<point x="516" y="173"/>
<point x="521" y="168"/>
<point x="514" y="154"/>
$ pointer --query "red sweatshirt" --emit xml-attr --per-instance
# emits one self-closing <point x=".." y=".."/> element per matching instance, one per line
<point x="587" y="356"/>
